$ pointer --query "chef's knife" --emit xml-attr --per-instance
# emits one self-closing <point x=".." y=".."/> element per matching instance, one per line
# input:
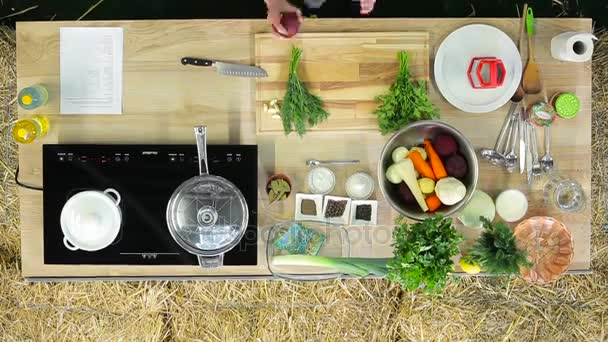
<point x="522" y="142"/>
<point x="225" y="68"/>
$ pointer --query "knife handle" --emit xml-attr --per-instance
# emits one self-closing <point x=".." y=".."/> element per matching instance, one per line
<point x="197" y="61"/>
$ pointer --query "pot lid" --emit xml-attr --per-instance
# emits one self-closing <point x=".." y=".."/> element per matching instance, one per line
<point x="207" y="215"/>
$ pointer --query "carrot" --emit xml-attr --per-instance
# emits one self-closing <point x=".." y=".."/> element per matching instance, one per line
<point x="436" y="163"/>
<point x="433" y="202"/>
<point x="421" y="165"/>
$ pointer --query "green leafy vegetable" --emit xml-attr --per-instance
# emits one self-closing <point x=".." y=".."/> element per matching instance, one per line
<point x="422" y="257"/>
<point x="423" y="253"/>
<point x="405" y="101"/>
<point x="300" y="108"/>
<point x="496" y="251"/>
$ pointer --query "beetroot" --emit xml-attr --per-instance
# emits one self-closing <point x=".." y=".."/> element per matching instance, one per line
<point x="445" y="145"/>
<point x="291" y="22"/>
<point x="406" y="194"/>
<point x="456" y="166"/>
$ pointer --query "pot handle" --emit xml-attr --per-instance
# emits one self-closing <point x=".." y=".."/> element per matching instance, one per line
<point x="113" y="192"/>
<point x="200" y="133"/>
<point x="69" y="245"/>
<point x="211" y="262"/>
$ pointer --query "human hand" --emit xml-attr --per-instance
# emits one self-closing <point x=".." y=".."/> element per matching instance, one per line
<point x="367" y="6"/>
<point x="276" y="8"/>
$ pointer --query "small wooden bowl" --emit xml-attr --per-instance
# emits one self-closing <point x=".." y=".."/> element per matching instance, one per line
<point x="279" y="176"/>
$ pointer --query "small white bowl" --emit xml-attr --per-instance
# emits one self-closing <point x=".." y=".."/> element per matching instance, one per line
<point x="360" y="186"/>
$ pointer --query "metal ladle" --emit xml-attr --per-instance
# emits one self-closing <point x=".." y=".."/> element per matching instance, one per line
<point x="494" y="156"/>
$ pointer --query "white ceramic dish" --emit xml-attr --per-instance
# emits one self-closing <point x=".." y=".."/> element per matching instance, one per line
<point x="373" y="217"/>
<point x="454" y="56"/>
<point x="317" y="199"/>
<point x="90" y="220"/>
<point x="345" y="218"/>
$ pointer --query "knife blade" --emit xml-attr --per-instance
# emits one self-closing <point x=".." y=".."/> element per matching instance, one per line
<point x="522" y="142"/>
<point x="226" y="68"/>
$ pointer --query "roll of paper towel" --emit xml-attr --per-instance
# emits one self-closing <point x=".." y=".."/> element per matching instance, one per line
<point x="572" y="46"/>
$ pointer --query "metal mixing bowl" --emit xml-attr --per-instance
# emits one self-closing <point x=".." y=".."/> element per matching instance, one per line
<point x="414" y="134"/>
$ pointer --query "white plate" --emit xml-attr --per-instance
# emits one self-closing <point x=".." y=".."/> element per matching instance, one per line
<point x="90" y="220"/>
<point x="454" y="56"/>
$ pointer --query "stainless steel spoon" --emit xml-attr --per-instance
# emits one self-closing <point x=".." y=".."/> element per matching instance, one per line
<point x="547" y="161"/>
<point x="511" y="157"/>
<point x="494" y="156"/>
<point x="315" y="162"/>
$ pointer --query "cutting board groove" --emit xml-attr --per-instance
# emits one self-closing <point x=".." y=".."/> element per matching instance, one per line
<point x="348" y="70"/>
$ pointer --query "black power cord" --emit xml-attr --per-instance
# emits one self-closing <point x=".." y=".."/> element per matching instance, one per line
<point x="31" y="187"/>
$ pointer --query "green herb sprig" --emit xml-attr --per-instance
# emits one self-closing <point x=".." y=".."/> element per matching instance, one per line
<point x="300" y="108"/>
<point x="406" y="101"/>
<point x="423" y="253"/>
<point x="496" y="251"/>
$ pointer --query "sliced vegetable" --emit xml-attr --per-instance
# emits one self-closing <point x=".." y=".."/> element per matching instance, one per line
<point x="421" y="165"/>
<point x="392" y="175"/>
<point x="456" y="166"/>
<point x="511" y="205"/>
<point x="420" y="150"/>
<point x="450" y="190"/>
<point x="405" y="168"/>
<point x="399" y="153"/>
<point x="481" y="205"/>
<point x="427" y="185"/>
<point x="445" y="145"/>
<point x="436" y="163"/>
<point x="433" y="202"/>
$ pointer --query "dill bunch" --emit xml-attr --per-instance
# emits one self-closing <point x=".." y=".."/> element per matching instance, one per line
<point x="496" y="251"/>
<point x="300" y="108"/>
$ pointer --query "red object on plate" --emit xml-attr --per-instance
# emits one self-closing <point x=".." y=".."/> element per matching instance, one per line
<point x="486" y="72"/>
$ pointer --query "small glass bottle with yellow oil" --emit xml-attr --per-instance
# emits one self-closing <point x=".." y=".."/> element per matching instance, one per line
<point x="33" y="97"/>
<point x="27" y="130"/>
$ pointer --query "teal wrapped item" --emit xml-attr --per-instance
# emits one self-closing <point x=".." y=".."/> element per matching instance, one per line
<point x="300" y="240"/>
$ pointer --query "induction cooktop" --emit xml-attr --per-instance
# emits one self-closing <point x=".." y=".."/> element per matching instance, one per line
<point x="145" y="176"/>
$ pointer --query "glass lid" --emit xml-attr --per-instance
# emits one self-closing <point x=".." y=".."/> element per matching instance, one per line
<point x="207" y="215"/>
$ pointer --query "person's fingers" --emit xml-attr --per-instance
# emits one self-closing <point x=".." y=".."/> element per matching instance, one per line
<point x="367" y="6"/>
<point x="275" y="19"/>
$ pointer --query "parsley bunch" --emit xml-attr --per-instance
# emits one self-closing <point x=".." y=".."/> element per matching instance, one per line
<point x="496" y="251"/>
<point x="299" y="107"/>
<point x="423" y="254"/>
<point x="405" y="101"/>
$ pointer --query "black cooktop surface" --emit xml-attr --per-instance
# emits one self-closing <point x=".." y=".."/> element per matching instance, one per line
<point x="145" y="176"/>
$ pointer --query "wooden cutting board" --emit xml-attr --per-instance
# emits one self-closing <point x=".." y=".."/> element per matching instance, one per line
<point x="347" y="70"/>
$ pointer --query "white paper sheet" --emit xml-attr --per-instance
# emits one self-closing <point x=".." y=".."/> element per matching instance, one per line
<point x="91" y="70"/>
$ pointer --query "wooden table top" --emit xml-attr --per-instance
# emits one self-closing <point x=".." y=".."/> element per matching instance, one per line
<point x="162" y="101"/>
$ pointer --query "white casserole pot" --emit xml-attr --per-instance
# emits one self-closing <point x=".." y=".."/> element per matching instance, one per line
<point x="90" y="220"/>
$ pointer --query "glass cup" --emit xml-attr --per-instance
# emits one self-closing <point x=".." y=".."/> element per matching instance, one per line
<point x="564" y="193"/>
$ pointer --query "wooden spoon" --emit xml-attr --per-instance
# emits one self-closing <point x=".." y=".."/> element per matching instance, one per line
<point x="531" y="82"/>
<point x="519" y="93"/>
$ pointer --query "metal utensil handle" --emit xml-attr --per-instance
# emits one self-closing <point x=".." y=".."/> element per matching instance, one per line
<point x="339" y="162"/>
<point x="506" y="149"/>
<point x="505" y="125"/>
<point x="200" y="134"/>
<point x="534" y="145"/>
<point x="515" y="135"/>
<point x="196" y="61"/>
<point x="547" y="139"/>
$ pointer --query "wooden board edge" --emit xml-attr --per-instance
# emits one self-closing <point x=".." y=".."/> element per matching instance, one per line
<point x="420" y="34"/>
